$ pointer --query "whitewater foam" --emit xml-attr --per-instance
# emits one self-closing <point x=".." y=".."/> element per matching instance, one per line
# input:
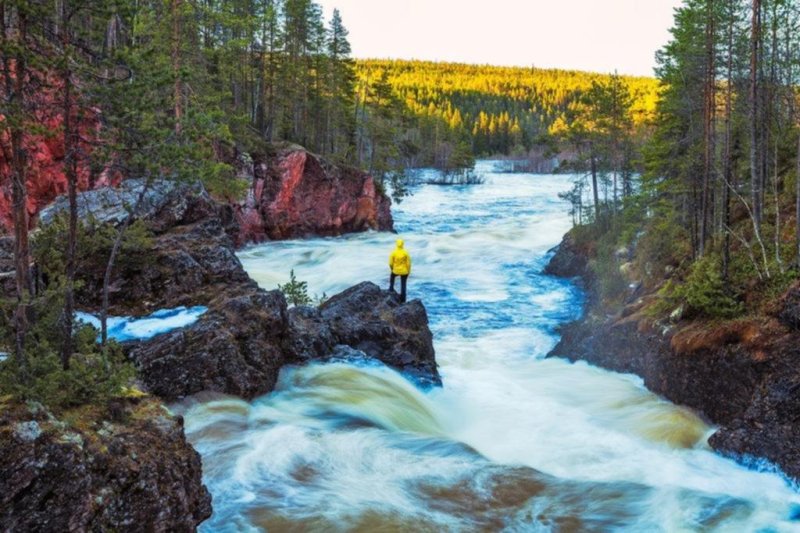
<point x="142" y="328"/>
<point x="512" y="441"/>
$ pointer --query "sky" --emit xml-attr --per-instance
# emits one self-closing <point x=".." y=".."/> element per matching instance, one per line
<point x="592" y="35"/>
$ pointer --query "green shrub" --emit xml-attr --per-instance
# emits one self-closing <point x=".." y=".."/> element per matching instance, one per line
<point x="703" y="293"/>
<point x="94" y="376"/>
<point x="665" y="242"/>
<point x="296" y="292"/>
<point x="94" y="245"/>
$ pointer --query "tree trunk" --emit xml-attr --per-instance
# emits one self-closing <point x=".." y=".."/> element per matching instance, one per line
<point x="19" y="196"/>
<point x="706" y="201"/>
<point x="594" y="187"/>
<point x="755" y="160"/>
<point x="176" y="65"/>
<point x="797" y="202"/>
<point x="727" y="170"/>
<point x="112" y="258"/>
<point x="615" y="190"/>
<point x="15" y="86"/>
<point x="72" y="232"/>
<point x="70" y="163"/>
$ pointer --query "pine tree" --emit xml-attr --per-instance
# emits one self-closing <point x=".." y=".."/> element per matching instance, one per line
<point x="341" y="88"/>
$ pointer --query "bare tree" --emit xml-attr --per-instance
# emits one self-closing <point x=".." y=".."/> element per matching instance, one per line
<point x="112" y="258"/>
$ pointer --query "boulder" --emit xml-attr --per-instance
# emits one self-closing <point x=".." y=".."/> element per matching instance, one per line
<point x="239" y="346"/>
<point x="110" y="205"/>
<point x="374" y="321"/>
<point x="234" y="348"/>
<point x="309" y="336"/>
<point x="569" y="260"/>
<point x="131" y="472"/>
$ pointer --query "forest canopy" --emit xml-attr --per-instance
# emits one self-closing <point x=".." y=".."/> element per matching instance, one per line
<point x="480" y="110"/>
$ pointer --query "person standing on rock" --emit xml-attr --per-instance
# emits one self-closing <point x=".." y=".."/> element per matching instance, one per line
<point x="399" y="265"/>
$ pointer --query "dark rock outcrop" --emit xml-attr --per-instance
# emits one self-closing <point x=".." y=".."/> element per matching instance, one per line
<point x="235" y="348"/>
<point x="769" y="428"/>
<point x="132" y="472"/>
<point x="295" y="193"/>
<point x="110" y="205"/>
<point x="192" y="259"/>
<point x="309" y="336"/>
<point x="743" y="375"/>
<point x="569" y="260"/>
<point x="240" y="344"/>
<point x="374" y="321"/>
<point x="365" y="322"/>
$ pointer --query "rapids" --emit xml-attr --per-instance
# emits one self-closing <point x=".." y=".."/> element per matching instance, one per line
<point x="512" y="441"/>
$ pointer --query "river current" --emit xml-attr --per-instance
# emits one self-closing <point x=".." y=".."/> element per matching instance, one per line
<point x="512" y="441"/>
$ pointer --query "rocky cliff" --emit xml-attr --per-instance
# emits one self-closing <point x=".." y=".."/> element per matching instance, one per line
<point x="132" y="469"/>
<point x="239" y="345"/>
<point x="44" y="149"/>
<point x="290" y="192"/>
<point x="743" y="375"/>
<point x="294" y="193"/>
<point x="129" y="469"/>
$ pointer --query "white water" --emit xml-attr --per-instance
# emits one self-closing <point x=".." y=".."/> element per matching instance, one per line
<point x="512" y="441"/>
<point x="126" y="328"/>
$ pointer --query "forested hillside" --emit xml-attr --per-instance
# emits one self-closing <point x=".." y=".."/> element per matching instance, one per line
<point x="716" y="207"/>
<point x="451" y="111"/>
<point x="693" y="270"/>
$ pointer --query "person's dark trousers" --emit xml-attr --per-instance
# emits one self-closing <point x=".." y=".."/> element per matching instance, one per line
<point x="403" y="282"/>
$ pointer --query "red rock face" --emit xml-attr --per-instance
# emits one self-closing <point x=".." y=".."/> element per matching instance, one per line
<point x="293" y="194"/>
<point x="45" y="173"/>
<point x="296" y="194"/>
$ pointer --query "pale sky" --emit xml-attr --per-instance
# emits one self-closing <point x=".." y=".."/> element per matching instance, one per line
<point x="593" y="35"/>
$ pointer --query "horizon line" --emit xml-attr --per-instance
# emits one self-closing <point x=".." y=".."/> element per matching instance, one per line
<point x="507" y="65"/>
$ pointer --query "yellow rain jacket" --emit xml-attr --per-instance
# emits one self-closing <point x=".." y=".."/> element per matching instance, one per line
<point x="399" y="260"/>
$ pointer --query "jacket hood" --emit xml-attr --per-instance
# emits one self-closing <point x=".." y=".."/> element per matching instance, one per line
<point x="400" y="243"/>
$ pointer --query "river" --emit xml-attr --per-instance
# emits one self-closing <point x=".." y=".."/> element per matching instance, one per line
<point x="512" y="441"/>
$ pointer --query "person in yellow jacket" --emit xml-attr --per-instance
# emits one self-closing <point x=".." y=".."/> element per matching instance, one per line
<point x="399" y="265"/>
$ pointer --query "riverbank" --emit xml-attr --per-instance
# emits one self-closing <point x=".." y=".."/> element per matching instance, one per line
<point x="123" y="466"/>
<point x="78" y="458"/>
<point x="741" y="374"/>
